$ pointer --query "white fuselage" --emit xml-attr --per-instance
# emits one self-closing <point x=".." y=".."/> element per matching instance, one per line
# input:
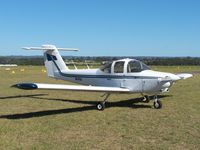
<point x="125" y="73"/>
<point x="146" y="81"/>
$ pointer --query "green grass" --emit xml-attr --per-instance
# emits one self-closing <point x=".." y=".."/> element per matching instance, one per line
<point x="69" y="120"/>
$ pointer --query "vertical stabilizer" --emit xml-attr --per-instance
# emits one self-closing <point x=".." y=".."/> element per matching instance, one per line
<point x="52" y="59"/>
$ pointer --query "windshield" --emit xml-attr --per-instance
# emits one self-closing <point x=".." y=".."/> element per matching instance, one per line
<point x="144" y="66"/>
<point x="136" y="66"/>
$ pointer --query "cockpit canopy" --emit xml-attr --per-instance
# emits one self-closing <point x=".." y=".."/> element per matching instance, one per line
<point x="124" y="66"/>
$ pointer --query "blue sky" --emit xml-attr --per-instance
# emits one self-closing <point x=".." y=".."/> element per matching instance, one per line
<point x="102" y="27"/>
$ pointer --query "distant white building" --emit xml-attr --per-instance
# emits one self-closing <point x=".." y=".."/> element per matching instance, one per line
<point x="8" y="65"/>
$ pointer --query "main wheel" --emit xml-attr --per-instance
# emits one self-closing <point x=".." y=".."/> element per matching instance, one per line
<point x="146" y="99"/>
<point x="101" y="106"/>
<point x="157" y="104"/>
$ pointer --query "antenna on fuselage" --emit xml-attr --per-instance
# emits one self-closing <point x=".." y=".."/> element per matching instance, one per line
<point x="87" y="65"/>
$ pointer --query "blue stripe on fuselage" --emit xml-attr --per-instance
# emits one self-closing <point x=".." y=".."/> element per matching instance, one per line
<point x="98" y="76"/>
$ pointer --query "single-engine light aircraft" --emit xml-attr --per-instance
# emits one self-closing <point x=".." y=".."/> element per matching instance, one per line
<point x="120" y="76"/>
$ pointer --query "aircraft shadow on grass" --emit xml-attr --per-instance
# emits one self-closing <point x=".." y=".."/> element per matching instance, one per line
<point x="21" y="96"/>
<point x="130" y="103"/>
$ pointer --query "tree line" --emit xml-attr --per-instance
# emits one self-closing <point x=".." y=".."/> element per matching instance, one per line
<point x="38" y="60"/>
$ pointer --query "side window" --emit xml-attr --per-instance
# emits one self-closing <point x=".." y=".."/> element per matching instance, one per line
<point x="133" y="66"/>
<point x="119" y="67"/>
<point x="106" y="68"/>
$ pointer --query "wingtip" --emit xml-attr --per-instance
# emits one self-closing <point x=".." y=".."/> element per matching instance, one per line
<point x="26" y="48"/>
<point x="25" y="86"/>
<point x="14" y="86"/>
<point x="185" y="75"/>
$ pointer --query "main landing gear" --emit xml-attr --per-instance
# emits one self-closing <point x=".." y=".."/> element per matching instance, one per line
<point x="146" y="99"/>
<point x="157" y="104"/>
<point x="101" y="105"/>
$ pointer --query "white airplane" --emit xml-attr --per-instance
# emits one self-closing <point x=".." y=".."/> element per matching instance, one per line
<point x="120" y="76"/>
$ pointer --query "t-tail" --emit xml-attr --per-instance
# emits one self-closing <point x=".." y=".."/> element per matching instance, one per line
<point x="52" y="59"/>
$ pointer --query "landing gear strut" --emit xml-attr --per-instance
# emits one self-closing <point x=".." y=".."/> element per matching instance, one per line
<point x="157" y="104"/>
<point x="101" y="105"/>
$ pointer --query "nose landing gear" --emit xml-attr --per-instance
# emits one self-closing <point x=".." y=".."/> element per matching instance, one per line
<point x="157" y="104"/>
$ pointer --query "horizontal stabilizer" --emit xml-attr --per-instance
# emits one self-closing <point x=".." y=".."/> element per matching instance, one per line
<point x="33" y="86"/>
<point x="50" y="47"/>
<point x="41" y="48"/>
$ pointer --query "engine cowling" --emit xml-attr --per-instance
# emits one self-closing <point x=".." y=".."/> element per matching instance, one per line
<point x="166" y="85"/>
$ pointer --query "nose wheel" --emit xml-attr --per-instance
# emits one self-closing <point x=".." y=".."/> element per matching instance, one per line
<point x="157" y="104"/>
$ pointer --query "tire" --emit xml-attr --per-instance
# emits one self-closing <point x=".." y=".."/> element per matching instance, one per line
<point x="101" y="106"/>
<point x="146" y="99"/>
<point x="157" y="104"/>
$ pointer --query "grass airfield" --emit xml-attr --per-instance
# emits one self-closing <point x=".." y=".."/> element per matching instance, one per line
<point x="42" y="119"/>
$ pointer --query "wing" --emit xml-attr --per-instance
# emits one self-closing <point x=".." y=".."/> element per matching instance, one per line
<point x="33" y="86"/>
<point x="176" y="78"/>
<point x="184" y="75"/>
